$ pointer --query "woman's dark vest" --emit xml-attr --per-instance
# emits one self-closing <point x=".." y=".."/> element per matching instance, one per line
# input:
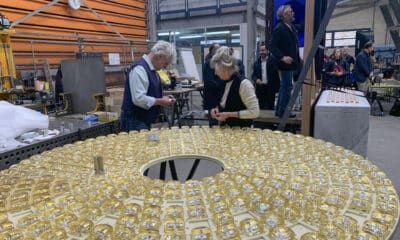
<point x="130" y="110"/>
<point x="234" y="103"/>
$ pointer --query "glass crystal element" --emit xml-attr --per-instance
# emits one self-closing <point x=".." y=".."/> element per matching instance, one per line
<point x="122" y="233"/>
<point x="127" y="221"/>
<point x="28" y="220"/>
<point x="310" y="236"/>
<point x="101" y="231"/>
<point x="223" y="218"/>
<point x="361" y="235"/>
<point x="174" y="224"/>
<point x="37" y="228"/>
<point x="330" y="231"/>
<point x="150" y="224"/>
<point x="250" y="227"/>
<point x="131" y="209"/>
<point x="174" y="235"/>
<point x="201" y="233"/>
<point x="346" y="223"/>
<point x="81" y="227"/>
<point x="228" y="231"/>
<point x="282" y="233"/>
<point x="148" y="235"/>
<point x="13" y="234"/>
<point x="382" y="218"/>
<point x="273" y="219"/>
<point x="374" y="228"/>
<point x="271" y="183"/>
<point x="198" y="211"/>
<point x="54" y="234"/>
<point x="174" y="211"/>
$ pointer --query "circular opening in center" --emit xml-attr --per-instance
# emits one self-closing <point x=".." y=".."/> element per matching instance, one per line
<point x="183" y="168"/>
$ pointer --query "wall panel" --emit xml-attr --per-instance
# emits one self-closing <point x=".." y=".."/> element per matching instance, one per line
<point x="52" y="33"/>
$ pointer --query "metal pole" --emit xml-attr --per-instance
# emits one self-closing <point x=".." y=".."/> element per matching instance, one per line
<point x="307" y="64"/>
<point x="80" y="36"/>
<point x="10" y="63"/>
<point x="251" y="36"/>
<point x="33" y="13"/>
<point x="132" y="53"/>
<point x="33" y="58"/>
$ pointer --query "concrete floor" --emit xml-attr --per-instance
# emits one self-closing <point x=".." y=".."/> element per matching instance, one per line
<point x="384" y="149"/>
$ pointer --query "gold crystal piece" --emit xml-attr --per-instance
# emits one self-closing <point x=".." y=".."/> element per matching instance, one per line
<point x="201" y="233"/>
<point x="250" y="227"/>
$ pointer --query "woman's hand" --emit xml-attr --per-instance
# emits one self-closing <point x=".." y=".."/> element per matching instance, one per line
<point x="214" y="112"/>
<point x="222" y="116"/>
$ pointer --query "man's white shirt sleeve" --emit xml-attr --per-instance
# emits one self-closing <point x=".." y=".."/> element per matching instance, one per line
<point x="139" y="84"/>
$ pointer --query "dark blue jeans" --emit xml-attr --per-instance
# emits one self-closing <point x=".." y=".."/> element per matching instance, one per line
<point x="129" y="124"/>
<point x="285" y="92"/>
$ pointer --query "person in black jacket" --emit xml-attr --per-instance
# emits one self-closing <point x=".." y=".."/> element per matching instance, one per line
<point x="347" y="57"/>
<point x="239" y="62"/>
<point x="284" y="47"/>
<point x="213" y="85"/>
<point x="266" y="79"/>
<point x="363" y="67"/>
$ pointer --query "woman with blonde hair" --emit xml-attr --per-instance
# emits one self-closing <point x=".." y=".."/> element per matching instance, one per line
<point x="238" y="104"/>
<point x="336" y="70"/>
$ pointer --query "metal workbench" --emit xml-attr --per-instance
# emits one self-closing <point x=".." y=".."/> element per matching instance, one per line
<point x="74" y="130"/>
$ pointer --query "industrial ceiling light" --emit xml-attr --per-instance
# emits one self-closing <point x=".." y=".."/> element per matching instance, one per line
<point x="4" y="22"/>
<point x="167" y="33"/>
<point x="217" y="33"/>
<point x="75" y="4"/>
<point x="190" y="36"/>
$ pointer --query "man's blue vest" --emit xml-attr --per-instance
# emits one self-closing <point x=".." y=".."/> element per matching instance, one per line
<point x="129" y="109"/>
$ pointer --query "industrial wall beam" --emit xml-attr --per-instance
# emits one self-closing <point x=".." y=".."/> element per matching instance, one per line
<point x="34" y="13"/>
<point x="394" y="33"/>
<point x="396" y="9"/>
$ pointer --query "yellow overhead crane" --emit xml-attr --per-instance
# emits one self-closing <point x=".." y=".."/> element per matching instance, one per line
<point x="7" y="64"/>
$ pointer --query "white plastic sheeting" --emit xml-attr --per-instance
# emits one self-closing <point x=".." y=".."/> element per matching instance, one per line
<point x="16" y="120"/>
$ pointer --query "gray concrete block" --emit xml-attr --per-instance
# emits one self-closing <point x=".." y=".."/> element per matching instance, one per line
<point x="343" y="123"/>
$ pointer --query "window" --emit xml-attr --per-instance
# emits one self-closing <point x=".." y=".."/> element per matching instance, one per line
<point x="340" y="38"/>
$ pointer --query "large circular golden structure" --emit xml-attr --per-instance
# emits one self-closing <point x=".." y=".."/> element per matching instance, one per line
<point x="275" y="186"/>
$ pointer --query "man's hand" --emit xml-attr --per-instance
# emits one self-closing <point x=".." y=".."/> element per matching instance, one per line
<point x="287" y="59"/>
<point x="258" y="81"/>
<point x="165" y="101"/>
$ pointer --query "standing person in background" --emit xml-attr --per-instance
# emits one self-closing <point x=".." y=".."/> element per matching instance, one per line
<point x="213" y="85"/>
<point x="264" y="80"/>
<point x="337" y="70"/>
<point x="348" y="58"/>
<point x="363" y="67"/>
<point x="143" y="96"/>
<point x="239" y="104"/>
<point x="284" y="47"/>
<point x="239" y="62"/>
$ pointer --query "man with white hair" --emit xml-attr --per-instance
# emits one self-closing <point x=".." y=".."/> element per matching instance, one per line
<point x="284" y="47"/>
<point x="143" y="96"/>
